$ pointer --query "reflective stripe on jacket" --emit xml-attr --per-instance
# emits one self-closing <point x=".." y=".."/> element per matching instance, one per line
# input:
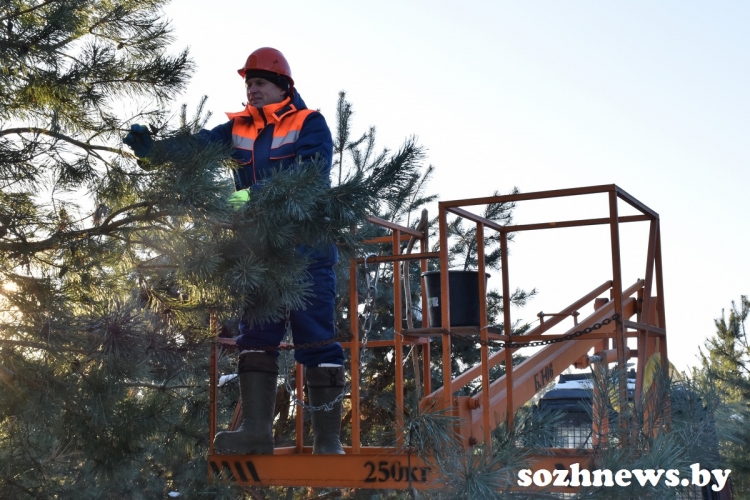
<point x="277" y="135"/>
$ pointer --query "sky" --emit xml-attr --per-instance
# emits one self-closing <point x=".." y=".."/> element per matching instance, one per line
<point x="651" y="96"/>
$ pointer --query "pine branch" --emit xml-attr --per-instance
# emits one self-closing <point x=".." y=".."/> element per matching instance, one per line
<point x="126" y="209"/>
<point x="59" y="238"/>
<point x="58" y="135"/>
<point x="42" y="347"/>
<point x="30" y="9"/>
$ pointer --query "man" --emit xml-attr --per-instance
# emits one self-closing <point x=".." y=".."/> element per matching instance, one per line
<point x="276" y="129"/>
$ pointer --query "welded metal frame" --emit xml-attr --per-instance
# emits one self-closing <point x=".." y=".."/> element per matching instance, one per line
<point x="395" y="467"/>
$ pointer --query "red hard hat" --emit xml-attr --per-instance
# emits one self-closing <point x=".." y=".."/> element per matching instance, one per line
<point x="267" y="59"/>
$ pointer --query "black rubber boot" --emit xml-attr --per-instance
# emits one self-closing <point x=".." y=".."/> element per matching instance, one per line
<point x="258" y="373"/>
<point x="324" y="385"/>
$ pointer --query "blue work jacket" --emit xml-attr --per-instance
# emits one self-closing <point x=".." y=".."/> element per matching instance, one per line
<point x="279" y="134"/>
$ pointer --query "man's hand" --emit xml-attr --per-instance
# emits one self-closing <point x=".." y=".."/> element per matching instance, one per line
<point x="139" y="140"/>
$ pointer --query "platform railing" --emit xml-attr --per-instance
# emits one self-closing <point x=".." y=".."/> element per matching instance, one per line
<point x="614" y="193"/>
<point x="644" y="300"/>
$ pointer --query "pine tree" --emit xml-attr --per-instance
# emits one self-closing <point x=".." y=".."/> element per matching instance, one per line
<point x="727" y="353"/>
<point x="725" y="367"/>
<point x="89" y="383"/>
<point x="109" y="270"/>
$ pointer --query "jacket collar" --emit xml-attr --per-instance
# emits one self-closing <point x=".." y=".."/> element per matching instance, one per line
<point x="272" y="112"/>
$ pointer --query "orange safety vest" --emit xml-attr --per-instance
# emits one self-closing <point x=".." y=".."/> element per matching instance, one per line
<point x="263" y="138"/>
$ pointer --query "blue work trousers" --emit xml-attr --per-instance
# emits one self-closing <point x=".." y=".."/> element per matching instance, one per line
<point x="312" y="324"/>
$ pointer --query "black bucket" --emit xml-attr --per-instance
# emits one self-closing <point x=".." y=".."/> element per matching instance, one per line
<point x="464" y="297"/>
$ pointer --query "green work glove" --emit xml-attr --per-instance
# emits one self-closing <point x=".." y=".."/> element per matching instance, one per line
<point x="238" y="199"/>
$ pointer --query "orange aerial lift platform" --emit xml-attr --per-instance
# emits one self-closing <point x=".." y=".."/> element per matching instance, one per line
<point x="618" y="311"/>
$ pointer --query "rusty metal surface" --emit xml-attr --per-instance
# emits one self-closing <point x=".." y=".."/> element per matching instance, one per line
<point x="507" y="324"/>
<point x="660" y="292"/>
<point x="573" y="223"/>
<point x="478" y="219"/>
<point x="575" y="306"/>
<point x="646" y="305"/>
<point x="397" y="337"/>
<point x="299" y="423"/>
<point x="395" y="227"/>
<point x="354" y="355"/>
<point x="385" y="239"/>
<point x="630" y="200"/>
<point x="645" y="327"/>
<point x="400" y="258"/>
<point x="444" y="299"/>
<point x="484" y="334"/>
<point x="538" y="195"/>
<point x="617" y="299"/>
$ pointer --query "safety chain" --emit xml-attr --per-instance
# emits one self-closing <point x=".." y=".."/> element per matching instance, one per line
<point x="536" y="343"/>
<point x="370" y="296"/>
